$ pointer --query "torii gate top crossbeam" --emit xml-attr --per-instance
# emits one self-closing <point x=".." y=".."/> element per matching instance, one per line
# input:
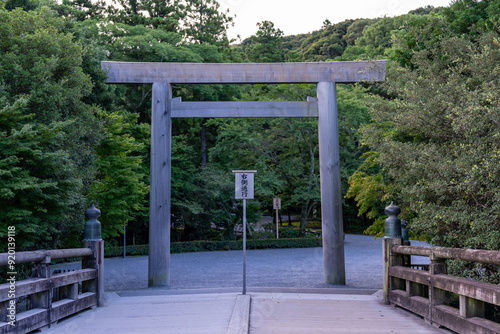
<point x="244" y="73"/>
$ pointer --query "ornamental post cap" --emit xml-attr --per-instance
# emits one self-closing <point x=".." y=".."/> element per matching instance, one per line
<point x="393" y="223"/>
<point x="92" y="229"/>
<point x="92" y="212"/>
<point x="392" y="210"/>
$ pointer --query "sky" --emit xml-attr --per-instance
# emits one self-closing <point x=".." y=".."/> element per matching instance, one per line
<point x="298" y="17"/>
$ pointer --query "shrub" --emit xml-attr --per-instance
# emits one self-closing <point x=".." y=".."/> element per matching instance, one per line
<point x="206" y="246"/>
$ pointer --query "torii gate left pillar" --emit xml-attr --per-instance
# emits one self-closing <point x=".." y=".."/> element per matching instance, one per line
<point x="164" y="108"/>
<point x="160" y="186"/>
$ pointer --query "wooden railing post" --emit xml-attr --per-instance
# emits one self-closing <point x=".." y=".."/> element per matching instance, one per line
<point x="406" y="259"/>
<point x="92" y="239"/>
<point x="470" y="307"/>
<point x="42" y="299"/>
<point x="436" y="296"/>
<point x="392" y="237"/>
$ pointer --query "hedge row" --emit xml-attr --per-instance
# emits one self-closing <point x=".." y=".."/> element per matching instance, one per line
<point x="205" y="246"/>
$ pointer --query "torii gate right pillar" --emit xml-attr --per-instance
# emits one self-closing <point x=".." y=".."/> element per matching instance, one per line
<point x="331" y="194"/>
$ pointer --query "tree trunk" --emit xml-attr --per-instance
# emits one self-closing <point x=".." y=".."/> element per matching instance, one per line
<point x="303" y="218"/>
<point x="203" y="144"/>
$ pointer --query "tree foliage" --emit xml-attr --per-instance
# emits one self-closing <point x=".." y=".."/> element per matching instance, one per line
<point x="428" y="131"/>
<point x="48" y="131"/>
<point x="119" y="187"/>
<point x="443" y="151"/>
<point x="437" y="141"/>
<point x="67" y="138"/>
<point x="265" y="45"/>
<point x="206" y="23"/>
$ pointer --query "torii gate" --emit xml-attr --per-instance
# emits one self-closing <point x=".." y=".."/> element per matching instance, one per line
<point x="164" y="108"/>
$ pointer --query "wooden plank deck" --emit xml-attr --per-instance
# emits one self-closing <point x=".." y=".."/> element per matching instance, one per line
<point x="208" y="313"/>
<point x="269" y="313"/>
<point x="313" y="313"/>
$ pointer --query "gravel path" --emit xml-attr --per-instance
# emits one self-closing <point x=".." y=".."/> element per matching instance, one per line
<point x="285" y="268"/>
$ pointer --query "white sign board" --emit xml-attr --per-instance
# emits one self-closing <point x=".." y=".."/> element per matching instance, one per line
<point x="244" y="184"/>
<point x="277" y="203"/>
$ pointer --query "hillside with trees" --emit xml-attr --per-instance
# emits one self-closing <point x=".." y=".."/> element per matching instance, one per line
<point x="427" y="138"/>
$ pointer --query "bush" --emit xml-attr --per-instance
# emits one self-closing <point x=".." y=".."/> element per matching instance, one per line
<point x="288" y="232"/>
<point x="206" y="246"/>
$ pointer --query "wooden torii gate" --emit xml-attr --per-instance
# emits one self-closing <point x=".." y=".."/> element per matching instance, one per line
<point x="164" y="108"/>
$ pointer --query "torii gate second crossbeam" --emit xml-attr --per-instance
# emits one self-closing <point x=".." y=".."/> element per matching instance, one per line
<point x="324" y="74"/>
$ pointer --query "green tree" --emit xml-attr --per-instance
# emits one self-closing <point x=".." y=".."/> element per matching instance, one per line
<point x="472" y="17"/>
<point x="419" y="33"/>
<point x="205" y="23"/>
<point x="369" y="186"/>
<point x="156" y="14"/>
<point x="377" y="37"/>
<point x="420" y="36"/>
<point x="48" y="130"/>
<point x="80" y="10"/>
<point x="326" y="43"/>
<point x="355" y="30"/>
<point x="37" y="184"/>
<point x="203" y="204"/>
<point x="285" y="151"/>
<point x="24" y="4"/>
<point x="265" y="45"/>
<point x="289" y="148"/>
<point x="441" y="149"/>
<point x="119" y="187"/>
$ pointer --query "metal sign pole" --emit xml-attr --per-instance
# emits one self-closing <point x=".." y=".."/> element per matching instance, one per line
<point x="244" y="246"/>
<point x="277" y="229"/>
<point x="277" y="206"/>
<point x="124" y="240"/>
<point x="244" y="190"/>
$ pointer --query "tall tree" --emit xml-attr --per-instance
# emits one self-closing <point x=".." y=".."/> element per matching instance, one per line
<point x="205" y="23"/>
<point x="438" y="141"/>
<point x="119" y="187"/>
<point x="472" y="17"/>
<point x="326" y="43"/>
<point x="421" y="36"/>
<point x="81" y="10"/>
<point x="265" y="45"/>
<point x="48" y="130"/>
<point x="157" y="14"/>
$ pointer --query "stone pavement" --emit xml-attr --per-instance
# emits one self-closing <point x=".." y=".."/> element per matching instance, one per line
<point x="288" y="268"/>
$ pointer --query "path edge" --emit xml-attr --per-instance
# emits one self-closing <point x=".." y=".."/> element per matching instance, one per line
<point x="239" y="322"/>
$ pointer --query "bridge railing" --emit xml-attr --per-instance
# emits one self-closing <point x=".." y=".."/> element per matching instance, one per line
<point x="47" y="296"/>
<point x="428" y="293"/>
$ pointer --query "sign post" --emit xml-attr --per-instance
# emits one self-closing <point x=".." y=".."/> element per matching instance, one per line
<point x="244" y="191"/>
<point x="124" y="240"/>
<point x="277" y="206"/>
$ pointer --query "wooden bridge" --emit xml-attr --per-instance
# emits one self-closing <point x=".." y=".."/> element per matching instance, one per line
<point x="415" y="299"/>
<point x="256" y="312"/>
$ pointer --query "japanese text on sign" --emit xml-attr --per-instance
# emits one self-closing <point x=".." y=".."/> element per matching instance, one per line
<point x="244" y="185"/>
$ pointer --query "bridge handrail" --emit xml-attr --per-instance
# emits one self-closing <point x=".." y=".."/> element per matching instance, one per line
<point x="428" y="291"/>
<point x="46" y="297"/>
<point x="39" y="255"/>
<point x="463" y="254"/>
